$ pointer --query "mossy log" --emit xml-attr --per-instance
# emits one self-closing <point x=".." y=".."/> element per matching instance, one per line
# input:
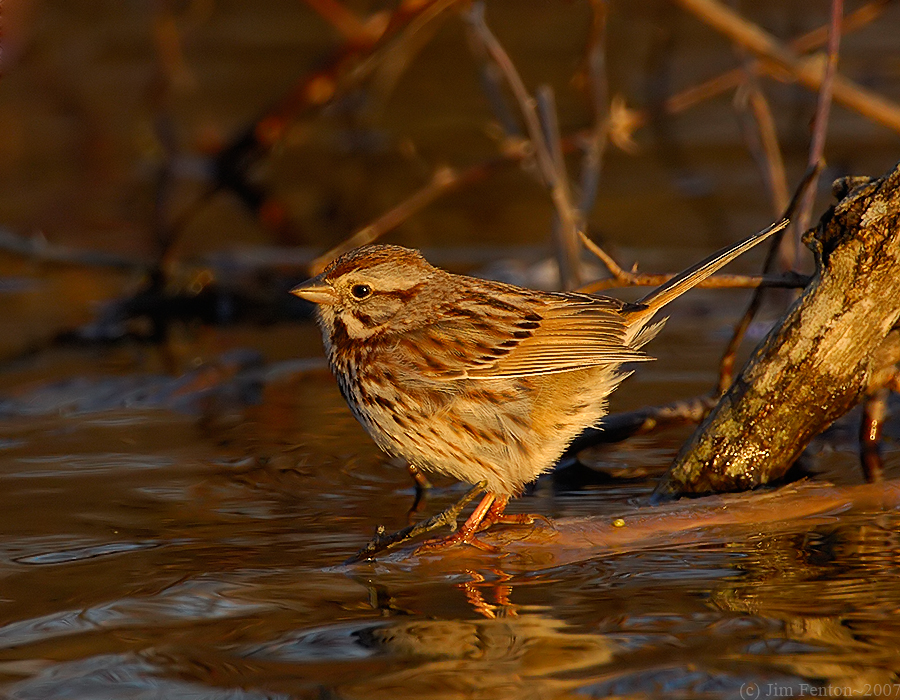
<point x="834" y="345"/>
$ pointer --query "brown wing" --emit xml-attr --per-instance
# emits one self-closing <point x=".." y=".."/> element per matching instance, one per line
<point x="512" y="335"/>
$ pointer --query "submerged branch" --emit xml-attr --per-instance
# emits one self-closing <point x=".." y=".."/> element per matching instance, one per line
<point x="793" y="508"/>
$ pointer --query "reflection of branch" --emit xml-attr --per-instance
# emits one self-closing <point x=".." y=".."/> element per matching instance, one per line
<point x="776" y="57"/>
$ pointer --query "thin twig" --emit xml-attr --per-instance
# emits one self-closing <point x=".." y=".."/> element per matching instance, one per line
<point x="820" y="123"/>
<point x="344" y="20"/>
<point x="567" y="220"/>
<point x="368" y="46"/>
<point x="620" y="277"/>
<point x="809" y="72"/>
<point x="733" y="78"/>
<point x="802" y="200"/>
<point x="726" y="365"/>
<point x="444" y="180"/>
<point x="598" y="91"/>
<point x="548" y="166"/>
<point x="39" y="249"/>
<point x="764" y="147"/>
<point x="768" y="152"/>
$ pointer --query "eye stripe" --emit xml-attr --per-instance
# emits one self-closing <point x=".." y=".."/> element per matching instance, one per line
<point x="402" y="295"/>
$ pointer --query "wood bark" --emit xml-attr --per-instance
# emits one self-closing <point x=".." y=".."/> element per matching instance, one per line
<point x="833" y="346"/>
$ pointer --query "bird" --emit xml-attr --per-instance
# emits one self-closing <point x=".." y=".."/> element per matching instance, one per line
<point x="480" y="380"/>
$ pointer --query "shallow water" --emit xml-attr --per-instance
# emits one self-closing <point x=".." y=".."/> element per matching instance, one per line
<point x="173" y="519"/>
<point x="151" y="548"/>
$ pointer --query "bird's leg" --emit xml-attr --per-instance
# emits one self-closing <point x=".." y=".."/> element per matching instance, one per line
<point x="489" y="512"/>
<point x="423" y="486"/>
<point x="466" y="534"/>
<point x="381" y="542"/>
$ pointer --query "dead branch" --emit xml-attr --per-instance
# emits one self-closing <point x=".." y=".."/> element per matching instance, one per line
<point x="726" y="365"/>
<point x="820" y="121"/>
<point x="621" y="426"/>
<point x="763" y="142"/>
<point x="818" y="362"/>
<point x="443" y="181"/>
<point x="620" y="277"/>
<point x="777" y="59"/>
<point x="735" y="77"/>
<point x="543" y="133"/>
<point x="597" y="88"/>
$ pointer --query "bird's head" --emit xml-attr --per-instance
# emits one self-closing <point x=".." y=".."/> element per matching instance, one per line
<point x="367" y="288"/>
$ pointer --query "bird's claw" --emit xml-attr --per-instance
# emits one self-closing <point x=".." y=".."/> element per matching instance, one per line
<point x="381" y="542"/>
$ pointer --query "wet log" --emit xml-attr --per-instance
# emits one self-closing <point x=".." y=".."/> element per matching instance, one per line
<point x="834" y="345"/>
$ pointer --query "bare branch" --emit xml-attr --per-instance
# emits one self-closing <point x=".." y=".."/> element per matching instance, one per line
<point x="763" y="145"/>
<point x="820" y="123"/>
<point x="620" y="277"/>
<point x="443" y="180"/>
<point x="778" y="58"/>
<point x="732" y="79"/>
<point x="548" y="165"/>
<point x="726" y="365"/>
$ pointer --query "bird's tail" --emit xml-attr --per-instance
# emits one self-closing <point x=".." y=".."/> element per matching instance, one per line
<point x="694" y="275"/>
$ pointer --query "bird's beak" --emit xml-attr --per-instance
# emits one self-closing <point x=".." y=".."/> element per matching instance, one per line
<point x="316" y="290"/>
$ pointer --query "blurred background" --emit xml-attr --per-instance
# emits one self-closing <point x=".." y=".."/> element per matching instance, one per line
<point x="180" y="477"/>
<point x="218" y="143"/>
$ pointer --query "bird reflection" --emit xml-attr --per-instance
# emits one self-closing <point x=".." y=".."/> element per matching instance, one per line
<point x="523" y="656"/>
<point x="502" y="607"/>
<point x="506" y="651"/>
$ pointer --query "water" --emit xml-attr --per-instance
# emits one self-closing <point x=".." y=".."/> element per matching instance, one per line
<point x="174" y="519"/>
<point x="154" y="552"/>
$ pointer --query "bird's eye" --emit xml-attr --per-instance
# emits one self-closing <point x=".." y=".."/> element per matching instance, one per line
<point x="360" y="291"/>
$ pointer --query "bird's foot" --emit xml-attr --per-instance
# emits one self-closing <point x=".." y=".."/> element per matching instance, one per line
<point x="518" y="519"/>
<point x="496" y="515"/>
<point x="466" y="534"/>
<point x="460" y="537"/>
<point x="382" y="542"/>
